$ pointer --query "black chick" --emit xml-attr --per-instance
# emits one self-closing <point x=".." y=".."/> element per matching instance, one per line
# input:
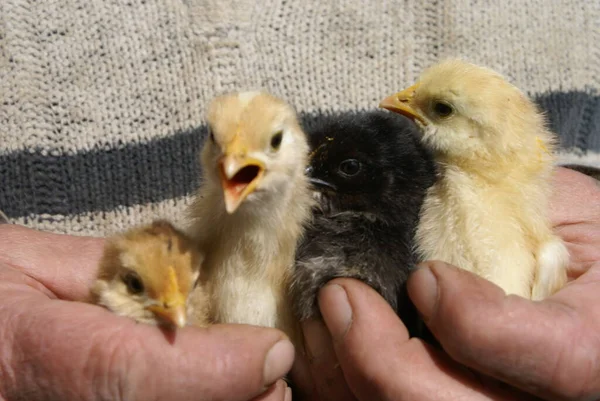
<point x="370" y="174"/>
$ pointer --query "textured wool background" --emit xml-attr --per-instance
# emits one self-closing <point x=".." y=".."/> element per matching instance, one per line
<point x="101" y="102"/>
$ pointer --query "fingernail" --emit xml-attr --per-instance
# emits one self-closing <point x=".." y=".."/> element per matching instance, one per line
<point x="278" y="362"/>
<point x="336" y="310"/>
<point x="288" y="394"/>
<point x="425" y="299"/>
<point x="316" y="338"/>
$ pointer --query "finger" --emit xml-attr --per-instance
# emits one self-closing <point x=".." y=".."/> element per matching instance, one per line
<point x="546" y="348"/>
<point x="68" y="350"/>
<point x="378" y="359"/>
<point x="64" y="264"/>
<point x="583" y="242"/>
<point x="277" y="392"/>
<point x="575" y="198"/>
<point x="325" y="377"/>
<point x="301" y="379"/>
<point x="588" y="170"/>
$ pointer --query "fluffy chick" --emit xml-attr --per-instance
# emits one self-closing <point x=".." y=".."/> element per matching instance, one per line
<point x="370" y="174"/>
<point x="147" y="274"/>
<point x="251" y="208"/>
<point x="488" y="213"/>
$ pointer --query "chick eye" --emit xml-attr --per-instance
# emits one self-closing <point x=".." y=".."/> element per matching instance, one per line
<point x="442" y="109"/>
<point x="133" y="282"/>
<point x="350" y="167"/>
<point x="276" y="140"/>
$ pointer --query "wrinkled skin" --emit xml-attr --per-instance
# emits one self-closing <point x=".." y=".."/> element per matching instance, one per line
<point x="495" y="347"/>
<point x="53" y="347"/>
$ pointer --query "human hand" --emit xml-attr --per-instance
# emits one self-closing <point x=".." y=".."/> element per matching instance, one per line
<point x="575" y="215"/>
<point x="52" y="348"/>
<point x="550" y="349"/>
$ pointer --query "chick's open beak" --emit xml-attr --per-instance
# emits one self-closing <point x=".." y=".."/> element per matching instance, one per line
<point x="240" y="175"/>
<point x="171" y="305"/>
<point x="402" y="103"/>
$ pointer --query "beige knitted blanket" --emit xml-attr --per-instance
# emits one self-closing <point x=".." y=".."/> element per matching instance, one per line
<point x="102" y="101"/>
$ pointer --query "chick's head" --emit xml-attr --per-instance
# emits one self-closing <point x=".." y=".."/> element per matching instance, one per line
<point x="148" y="273"/>
<point x="369" y="162"/>
<point x="468" y="111"/>
<point x="256" y="148"/>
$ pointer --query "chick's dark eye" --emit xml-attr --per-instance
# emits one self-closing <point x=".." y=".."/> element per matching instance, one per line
<point x="276" y="140"/>
<point x="133" y="282"/>
<point x="442" y="109"/>
<point x="350" y="167"/>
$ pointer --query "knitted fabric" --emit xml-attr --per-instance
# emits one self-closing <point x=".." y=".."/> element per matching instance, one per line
<point x="102" y="102"/>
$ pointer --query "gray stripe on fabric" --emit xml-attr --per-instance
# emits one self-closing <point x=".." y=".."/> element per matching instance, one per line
<point x="36" y="182"/>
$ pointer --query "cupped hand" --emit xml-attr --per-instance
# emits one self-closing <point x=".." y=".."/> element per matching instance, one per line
<point x="363" y="352"/>
<point x="55" y="347"/>
<point x="495" y="347"/>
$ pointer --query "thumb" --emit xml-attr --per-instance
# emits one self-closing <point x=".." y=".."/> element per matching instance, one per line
<point x="546" y="348"/>
<point x="65" y="265"/>
<point x="69" y="350"/>
<point x="380" y="362"/>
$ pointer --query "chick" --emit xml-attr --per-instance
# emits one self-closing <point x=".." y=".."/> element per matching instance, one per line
<point x="147" y="274"/>
<point x="251" y="208"/>
<point x="488" y="213"/>
<point x="370" y="174"/>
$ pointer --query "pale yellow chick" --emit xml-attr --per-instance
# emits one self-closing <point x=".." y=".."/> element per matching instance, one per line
<point x="251" y="208"/>
<point x="488" y="213"/>
<point x="147" y="274"/>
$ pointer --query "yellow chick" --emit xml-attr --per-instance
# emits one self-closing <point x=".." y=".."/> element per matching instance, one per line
<point x="488" y="213"/>
<point x="147" y="274"/>
<point x="251" y="208"/>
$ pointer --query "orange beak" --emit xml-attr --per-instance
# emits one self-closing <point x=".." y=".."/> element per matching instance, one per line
<point x="171" y="306"/>
<point x="174" y="314"/>
<point x="240" y="174"/>
<point x="402" y="103"/>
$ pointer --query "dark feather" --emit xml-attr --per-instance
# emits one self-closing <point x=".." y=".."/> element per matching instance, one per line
<point x="367" y="215"/>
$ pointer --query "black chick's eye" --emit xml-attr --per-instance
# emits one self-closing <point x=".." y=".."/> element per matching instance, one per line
<point x="133" y="282"/>
<point x="350" y="167"/>
<point x="442" y="109"/>
<point x="276" y="140"/>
